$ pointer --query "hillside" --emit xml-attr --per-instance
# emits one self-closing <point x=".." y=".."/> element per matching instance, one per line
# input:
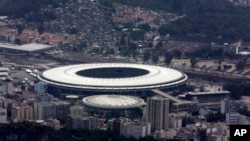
<point x="18" y="8"/>
<point x="204" y="18"/>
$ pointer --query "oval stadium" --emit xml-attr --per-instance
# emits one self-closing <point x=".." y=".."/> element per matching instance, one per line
<point x="112" y="102"/>
<point x="119" y="78"/>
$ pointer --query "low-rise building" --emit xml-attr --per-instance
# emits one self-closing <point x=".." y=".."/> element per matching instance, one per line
<point x="88" y="122"/>
<point x="128" y="128"/>
<point x="21" y="112"/>
<point x="3" y="115"/>
<point x="137" y="129"/>
<point x="46" y="110"/>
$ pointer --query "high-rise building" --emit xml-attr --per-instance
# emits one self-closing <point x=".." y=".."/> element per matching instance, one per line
<point x="157" y="113"/>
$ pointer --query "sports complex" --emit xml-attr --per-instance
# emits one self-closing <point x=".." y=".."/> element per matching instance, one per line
<point x="111" y="78"/>
<point x="113" y="102"/>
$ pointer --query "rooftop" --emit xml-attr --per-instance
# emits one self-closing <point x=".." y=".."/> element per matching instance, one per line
<point x="26" y="47"/>
<point x="113" y="101"/>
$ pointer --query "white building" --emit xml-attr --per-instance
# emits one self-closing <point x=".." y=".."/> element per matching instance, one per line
<point x="224" y="106"/>
<point x="77" y="110"/>
<point x="54" y="123"/>
<point x="232" y="118"/>
<point x="85" y="122"/>
<point x="137" y="130"/>
<point x="175" y="121"/>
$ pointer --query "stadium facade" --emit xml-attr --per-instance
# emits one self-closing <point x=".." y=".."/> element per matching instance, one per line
<point x="111" y="78"/>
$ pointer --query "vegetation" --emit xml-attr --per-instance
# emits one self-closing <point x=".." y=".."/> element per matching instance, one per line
<point x="238" y="89"/>
<point x="215" y="117"/>
<point x="193" y="62"/>
<point x="209" y="18"/>
<point x="207" y="52"/>
<point x="244" y="111"/>
<point x="241" y="65"/>
<point x="168" y="57"/>
<point x="20" y="9"/>
<point x="32" y="131"/>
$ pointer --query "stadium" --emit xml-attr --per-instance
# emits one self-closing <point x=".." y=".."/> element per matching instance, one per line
<point x="26" y="49"/>
<point x="112" y="102"/>
<point x="113" y="105"/>
<point x="118" y="78"/>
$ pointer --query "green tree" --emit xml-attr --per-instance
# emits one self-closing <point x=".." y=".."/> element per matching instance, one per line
<point x="177" y="53"/>
<point x="193" y="62"/>
<point x="146" y="56"/>
<point x="155" y="58"/>
<point x="215" y="117"/>
<point x="122" y="40"/>
<point x="168" y="57"/>
<point x="137" y="35"/>
<point x="20" y="29"/>
<point x="241" y="65"/>
<point x="18" y="41"/>
<point x="158" y="45"/>
<point x="41" y="29"/>
<point x="145" y="27"/>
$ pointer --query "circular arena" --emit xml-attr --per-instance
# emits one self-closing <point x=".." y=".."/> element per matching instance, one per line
<point x="113" y="102"/>
<point x="112" y="77"/>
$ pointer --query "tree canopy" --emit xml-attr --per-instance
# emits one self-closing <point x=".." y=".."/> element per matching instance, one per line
<point x="36" y="132"/>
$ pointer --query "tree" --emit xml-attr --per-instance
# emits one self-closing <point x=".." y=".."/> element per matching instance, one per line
<point x="137" y="35"/>
<point x="146" y="56"/>
<point x="193" y="61"/>
<point x="18" y="41"/>
<point x="19" y="29"/>
<point x="215" y="117"/>
<point x="111" y="51"/>
<point x="73" y="30"/>
<point x="177" y="54"/>
<point x="237" y="89"/>
<point x="122" y="40"/>
<point x="168" y="58"/>
<point x="150" y="44"/>
<point x="241" y="65"/>
<point x="155" y="58"/>
<point x="159" y="45"/>
<point x="145" y="27"/>
<point x="41" y="29"/>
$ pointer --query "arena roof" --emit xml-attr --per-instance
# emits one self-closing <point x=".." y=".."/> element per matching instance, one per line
<point x="113" y="101"/>
<point x="26" y="47"/>
<point x="103" y="76"/>
<point x="72" y="96"/>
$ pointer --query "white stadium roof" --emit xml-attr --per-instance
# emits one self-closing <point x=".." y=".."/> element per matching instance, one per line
<point x="155" y="77"/>
<point x="113" y="101"/>
<point x="26" y="47"/>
